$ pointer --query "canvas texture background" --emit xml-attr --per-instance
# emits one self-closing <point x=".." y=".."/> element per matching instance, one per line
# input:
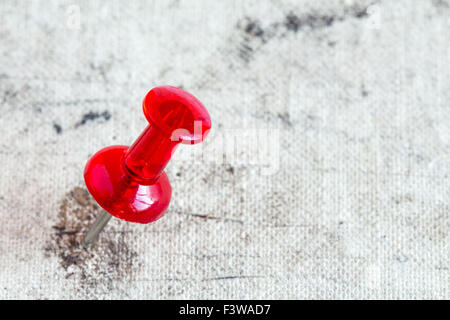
<point x="326" y="173"/>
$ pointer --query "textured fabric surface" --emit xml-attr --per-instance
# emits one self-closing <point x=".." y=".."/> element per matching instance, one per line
<point x="326" y="173"/>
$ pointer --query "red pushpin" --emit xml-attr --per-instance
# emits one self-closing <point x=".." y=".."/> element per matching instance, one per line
<point x="129" y="182"/>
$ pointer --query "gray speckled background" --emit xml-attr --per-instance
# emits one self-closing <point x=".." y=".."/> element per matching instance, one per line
<point x="326" y="174"/>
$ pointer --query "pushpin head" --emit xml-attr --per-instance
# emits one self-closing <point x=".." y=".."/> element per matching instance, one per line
<point x="130" y="182"/>
<point x="178" y="114"/>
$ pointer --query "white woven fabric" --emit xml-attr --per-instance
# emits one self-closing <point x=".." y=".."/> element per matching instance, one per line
<point x="326" y="173"/>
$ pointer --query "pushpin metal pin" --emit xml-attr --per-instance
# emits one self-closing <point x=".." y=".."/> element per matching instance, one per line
<point x="91" y="236"/>
<point x="130" y="182"/>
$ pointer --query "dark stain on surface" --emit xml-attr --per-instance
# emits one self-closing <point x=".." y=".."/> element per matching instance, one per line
<point x="331" y="43"/>
<point x="208" y="217"/>
<point x="255" y="35"/>
<point x="230" y="169"/>
<point x="364" y="92"/>
<point x="245" y="52"/>
<point x="57" y="128"/>
<point x="110" y="260"/>
<point x="269" y="116"/>
<point x="285" y="118"/>
<point x="440" y="3"/>
<point x="91" y="116"/>
<point x="103" y="68"/>
<point x="9" y="94"/>
<point x="294" y="23"/>
<point x="401" y="199"/>
<point x="253" y="28"/>
<point x="359" y="13"/>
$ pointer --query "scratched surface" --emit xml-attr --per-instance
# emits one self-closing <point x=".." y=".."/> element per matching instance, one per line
<point x="326" y="174"/>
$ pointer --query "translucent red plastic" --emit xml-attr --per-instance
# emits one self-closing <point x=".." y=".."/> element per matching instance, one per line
<point x="130" y="182"/>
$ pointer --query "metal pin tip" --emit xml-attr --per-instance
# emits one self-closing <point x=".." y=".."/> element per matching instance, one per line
<point x="91" y="236"/>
